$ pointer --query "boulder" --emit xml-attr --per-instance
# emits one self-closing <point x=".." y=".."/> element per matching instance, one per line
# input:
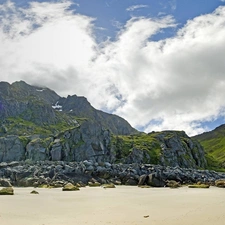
<point x="220" y="183"/>
<point x="94" y="184"/>
<point x="70" y="187"/>
<point x="155" y="181"/>
<point x="131" y="182"/>
<point x="199" y="186"/>
<point x="34" y="192"/>
<point x="5" y="183"/>
<point x="7" y="191"/>
<point x="108" y="185"/>
<point x="172" y="184"/>
<point x="143" y="179"/>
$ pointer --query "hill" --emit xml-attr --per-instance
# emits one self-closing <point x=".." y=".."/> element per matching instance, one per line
<point x="214" y="145"/>
<point x="38" y="125"/>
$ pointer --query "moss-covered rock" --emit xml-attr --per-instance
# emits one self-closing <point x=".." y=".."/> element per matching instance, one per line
<point x="220" y="183"/>
<point x="7" y="191"/>
<point x="199" y="186"/>
<point x="172" y="184"/>
<point x="70" y="187"/>
<point x="94" y="184"/>
<point x="108" y="185"/>
<point x="34" y="192"/>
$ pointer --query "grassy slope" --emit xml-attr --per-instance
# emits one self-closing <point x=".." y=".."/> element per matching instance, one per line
<point x="214" y="145"/>
<point x="146" y="142"/>
<point x="21" y="127"/>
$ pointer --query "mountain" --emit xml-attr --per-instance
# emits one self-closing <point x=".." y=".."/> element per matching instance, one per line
<point x="214" y="145"/>
<point x="37" y="125"/>
<point x="23" y="106"/>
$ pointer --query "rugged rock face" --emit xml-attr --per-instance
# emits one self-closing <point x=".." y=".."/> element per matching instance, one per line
<point x="11" y="149"/>
<point x="167" y="148"/>
<point x="90" y="141"/>
<point x="24" y="104"/>
<point x="180" y="150"/>
<point x="29" y="102"/>
<point x="80" y="107"/>
<point x="37" y="125"/>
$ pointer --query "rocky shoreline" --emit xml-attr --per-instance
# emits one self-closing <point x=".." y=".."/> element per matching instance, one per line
<point x="57" y="174"/>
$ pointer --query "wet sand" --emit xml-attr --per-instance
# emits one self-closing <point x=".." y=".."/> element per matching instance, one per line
<point x="120" y="206"/>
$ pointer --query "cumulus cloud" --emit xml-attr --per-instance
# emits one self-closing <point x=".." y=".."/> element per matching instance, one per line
<point x="134" y="7"/>
<point x="176" y="83"/>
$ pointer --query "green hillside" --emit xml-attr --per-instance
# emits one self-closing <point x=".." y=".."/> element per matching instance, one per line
<point x="214" y="145"/>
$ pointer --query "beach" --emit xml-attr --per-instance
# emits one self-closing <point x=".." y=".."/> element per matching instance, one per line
<point x="122" y="205"/>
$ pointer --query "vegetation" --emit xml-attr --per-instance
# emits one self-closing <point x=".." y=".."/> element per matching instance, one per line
<point x="7" y="191"/>
<point x="214" y="145"/>
<point x="124" y="144"/>
<point x="24" y="128"/>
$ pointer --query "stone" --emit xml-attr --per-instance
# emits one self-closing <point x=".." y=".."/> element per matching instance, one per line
<point x="199" y="186"/>
<point x="5" y="183"/>
<point x="155" y="181"/>
<point x="7" y="191"/>
<point x="70" y="187"/>
<point x="172" y="184"/>
<point x="94" y="184"/>
<point x="220" y="183"/>
<point x="108" y="185"/>
<point x="143" y="179"/>
<point x="34" y="192"/>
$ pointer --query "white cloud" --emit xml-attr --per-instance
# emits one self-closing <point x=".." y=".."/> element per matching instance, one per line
<point x="175" y="83"/>
<point x="134" y="7"/>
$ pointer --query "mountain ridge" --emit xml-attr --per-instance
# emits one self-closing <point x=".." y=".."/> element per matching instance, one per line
<point x="37" y="124"/>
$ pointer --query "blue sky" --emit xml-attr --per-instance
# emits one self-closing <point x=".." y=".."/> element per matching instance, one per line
<point x="159" y="64"/>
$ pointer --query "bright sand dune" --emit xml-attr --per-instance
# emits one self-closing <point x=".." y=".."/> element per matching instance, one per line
<point x="120" y="206"/>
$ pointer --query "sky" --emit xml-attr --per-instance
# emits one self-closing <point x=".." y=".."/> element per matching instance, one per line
<point x="158" y="64"/>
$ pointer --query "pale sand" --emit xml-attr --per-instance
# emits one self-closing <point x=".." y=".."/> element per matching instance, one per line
<point x="120" y="206"/>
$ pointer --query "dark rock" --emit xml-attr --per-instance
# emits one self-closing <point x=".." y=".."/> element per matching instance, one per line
<point x="131" y="181"/>
<point x="155" y="181"/>
<point x="5" y="183"/>
<point x="143" y="179"/>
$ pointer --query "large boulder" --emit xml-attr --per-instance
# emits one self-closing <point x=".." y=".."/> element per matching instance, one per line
<point x="5" y="183"/>
<point x="7" y="191"/>
<point x="220" y="183"/>
<point x="155" y="181"/>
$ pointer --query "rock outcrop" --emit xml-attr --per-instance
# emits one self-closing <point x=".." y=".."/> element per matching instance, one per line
<point x="58" y="174"/>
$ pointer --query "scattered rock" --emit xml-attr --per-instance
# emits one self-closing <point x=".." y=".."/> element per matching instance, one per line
<point x="155" y="181"/>
<point x="172" y="184"/>
<point x="220" y="183"/>
<point x="108" y="186"/>
<point x="94" y="184"/>
<point x="7" y="191"/>
<point x="70" y="187"/>
<point x="199" y="186"/>
<point x="5" y="183"/>
<point x="34" y="192"/>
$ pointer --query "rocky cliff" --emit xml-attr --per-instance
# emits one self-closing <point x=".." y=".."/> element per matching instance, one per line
<point x="167" y="148"/>
<point x="89" y="141"/>
<point x="25" y="104"/>
<point x="39" y="125"/>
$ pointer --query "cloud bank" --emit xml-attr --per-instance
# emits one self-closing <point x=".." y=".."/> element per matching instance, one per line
<point x="176" y="83"/>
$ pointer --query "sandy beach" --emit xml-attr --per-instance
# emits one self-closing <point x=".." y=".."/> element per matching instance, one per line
<point x="120" y="206"/>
